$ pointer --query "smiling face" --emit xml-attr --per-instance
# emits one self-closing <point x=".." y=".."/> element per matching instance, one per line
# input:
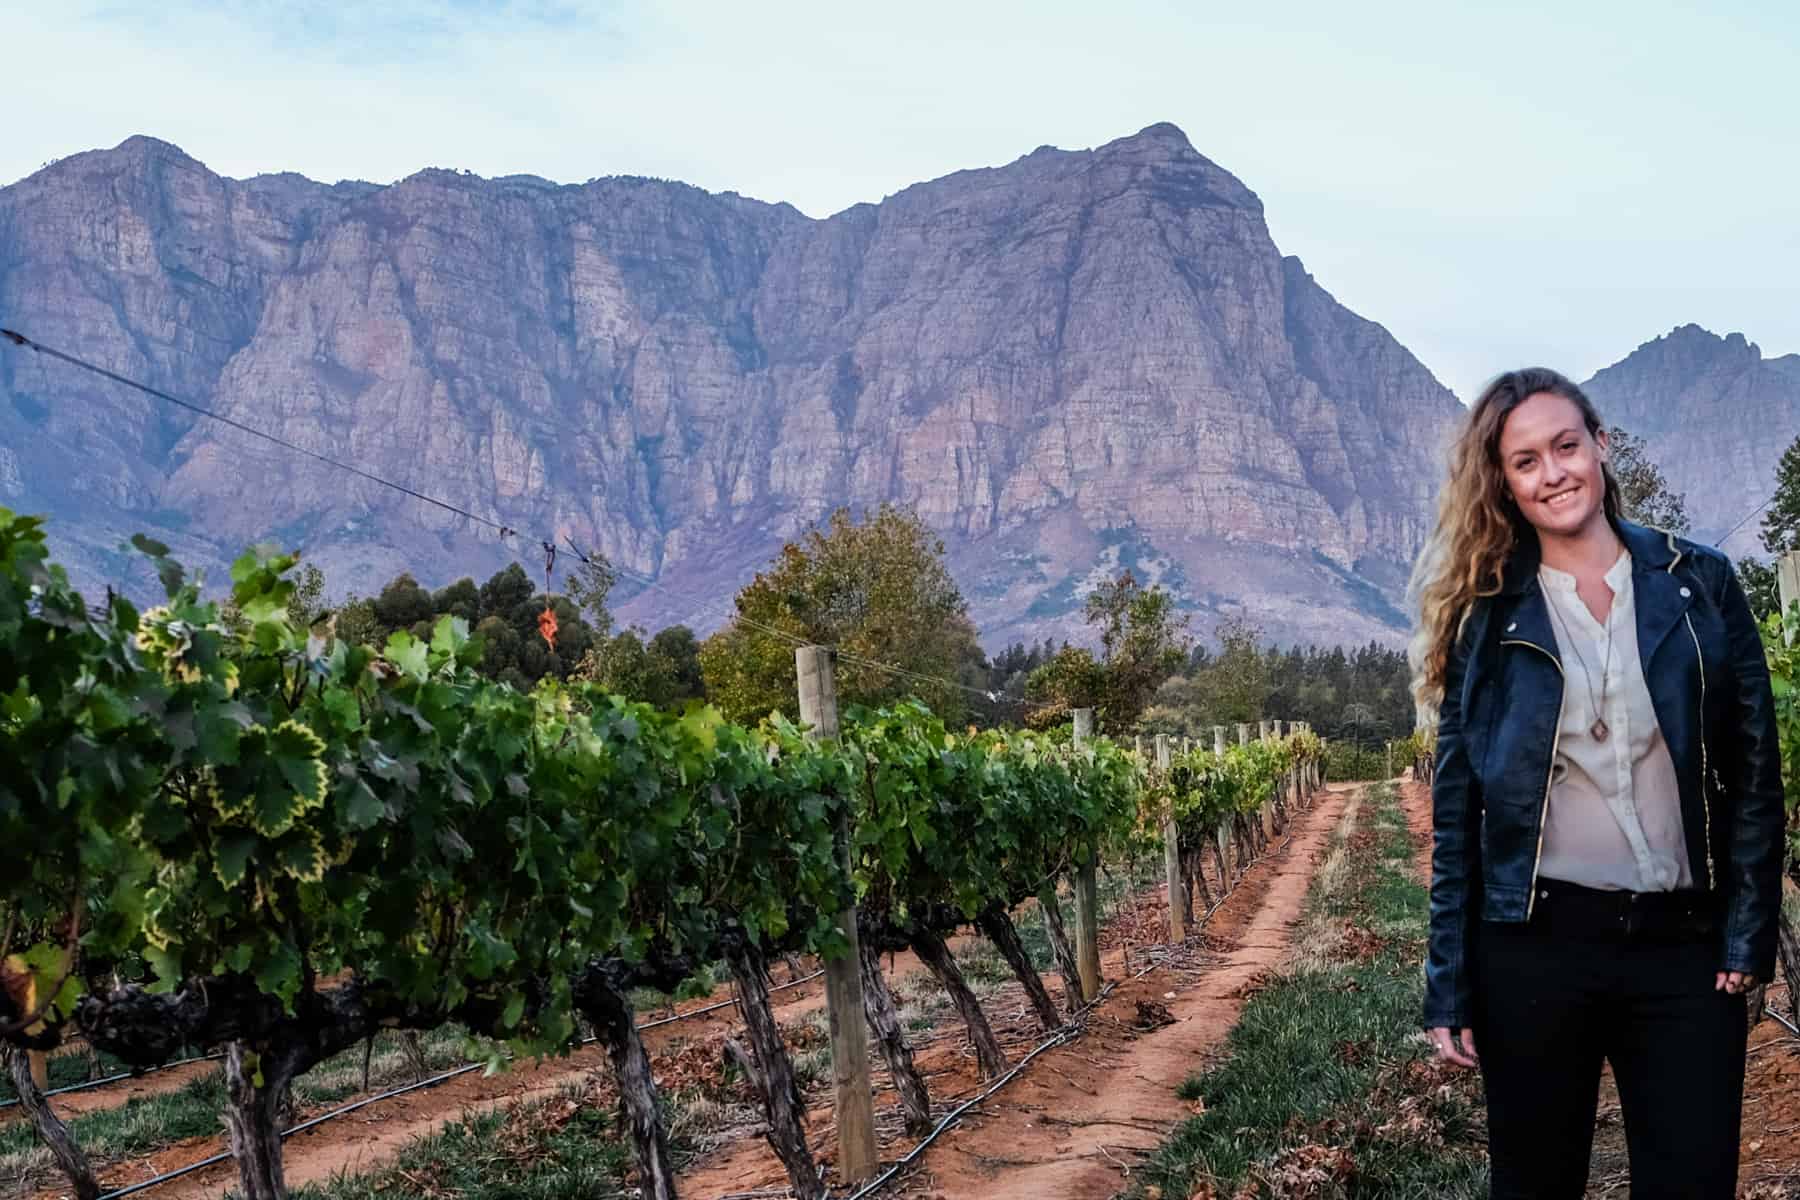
<point x="1552" y="465"/>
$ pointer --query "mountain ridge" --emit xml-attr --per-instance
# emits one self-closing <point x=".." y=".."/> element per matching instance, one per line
<point x="1078" y="354"/>
<point x="1714" y="415"/>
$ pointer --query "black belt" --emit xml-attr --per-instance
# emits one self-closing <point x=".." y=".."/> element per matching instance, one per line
<point x="1572" y="910"/>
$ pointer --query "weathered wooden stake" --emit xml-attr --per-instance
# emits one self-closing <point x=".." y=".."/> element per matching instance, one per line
<point x="1243" y="733"/>
<point x="857" y="1155"/>
<point x="1180" y="914"/>
<point x="1223" y="845"/>
<point x="1787" y="578"/>
<point x="1087" y="893"/>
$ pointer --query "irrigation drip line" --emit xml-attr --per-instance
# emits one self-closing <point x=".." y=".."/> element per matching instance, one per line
<point x="1063" y="1036"/>
<point x="300" y="1128"/>
<point x="721" y="1004"/>
<point x="90" y="1084"/>
<point x="433" y="1081"/>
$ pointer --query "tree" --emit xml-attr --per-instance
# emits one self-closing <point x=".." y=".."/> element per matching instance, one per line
<point x="676" y="653"/>
<point x="1643" y="492"/>
<point x="504" y="613"/>
<point x="665" y="671"/>
<point x="1781" y="523"/>
<point x="878" y="591"/>
<point x="403" y="604"/>
<point x="588" y="587"/>
<point x="1234" y="684"/>
<point x="460" y="599"/>
<point x="1762" y="586"/>
<point x="1073" y="678"/>
<point x="1142" y="643"/>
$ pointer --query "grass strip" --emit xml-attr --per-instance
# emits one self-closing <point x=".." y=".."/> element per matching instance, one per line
<point x="1328" y="1088"/>
<point x="554" y="1149"/>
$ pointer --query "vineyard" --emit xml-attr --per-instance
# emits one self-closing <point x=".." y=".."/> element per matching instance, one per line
<point x="220" y="833"/>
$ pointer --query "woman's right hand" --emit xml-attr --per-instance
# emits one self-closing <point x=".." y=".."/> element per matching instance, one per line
<point x="1458" y="1049"/>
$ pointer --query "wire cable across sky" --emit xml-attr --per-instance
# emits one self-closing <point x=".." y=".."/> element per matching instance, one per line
<point x="20" y="340"/>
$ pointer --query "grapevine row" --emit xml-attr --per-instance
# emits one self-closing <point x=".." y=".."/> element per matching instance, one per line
<point x="234" y="832"/>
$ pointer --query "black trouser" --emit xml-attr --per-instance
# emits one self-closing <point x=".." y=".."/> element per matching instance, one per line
<point x="1629" y="980"/>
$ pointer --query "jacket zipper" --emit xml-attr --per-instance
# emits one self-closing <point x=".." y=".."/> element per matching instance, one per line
<point x="1705" y="803"/>
<point x="1700" y="663"/>
<point x="1549" y="776"/>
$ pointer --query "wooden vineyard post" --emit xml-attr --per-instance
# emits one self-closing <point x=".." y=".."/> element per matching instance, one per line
<point x="1264" y="819"/>
<point x="1179" y="912"/>
<point x="1224" y="843"/>
<point x="1087" y="892"/>
<point x="1243" y="731"/>
<point x="857" y="1160"/>
<point x="1787" y="575"/>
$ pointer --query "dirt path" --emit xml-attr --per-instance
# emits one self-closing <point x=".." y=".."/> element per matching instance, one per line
<point x="1072" y="1123"/>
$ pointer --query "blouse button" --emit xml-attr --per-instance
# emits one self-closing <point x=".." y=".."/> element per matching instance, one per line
<point x="1685" y="593"/>
<point x="1512" y="627"/>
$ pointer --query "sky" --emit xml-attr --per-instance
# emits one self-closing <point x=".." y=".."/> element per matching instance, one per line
<point x="1498" y="185"/>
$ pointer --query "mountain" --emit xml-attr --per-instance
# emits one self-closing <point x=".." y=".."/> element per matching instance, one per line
<point x="1715" y="416"/>
<point x="1077" y="361"/>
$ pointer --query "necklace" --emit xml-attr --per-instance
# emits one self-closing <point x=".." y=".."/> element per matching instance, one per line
<point x="1599" y="728"/>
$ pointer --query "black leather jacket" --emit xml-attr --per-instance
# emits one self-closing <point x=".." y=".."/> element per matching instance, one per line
<point x="1703" y="662"/>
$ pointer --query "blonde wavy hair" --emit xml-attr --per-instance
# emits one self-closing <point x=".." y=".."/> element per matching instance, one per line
<point x="1478" y="527"/>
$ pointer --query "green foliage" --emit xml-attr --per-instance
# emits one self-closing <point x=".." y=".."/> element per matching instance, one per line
<point x="1784" y="682"/>
<point x="1203" y="789"/>
<point x="1781" y="521"/>
<point x="878" y="591"/>
<point x="1142" y="643"/>
<point x="1073" y="678"/>
<point x="1762" y="588"/>
<point x="258" y="804"/>
<point x="970" y="820"/>
<point x="663" y="671"/>
<point x="504" y="614"/>
<point x="1644" y="494"/>
<point x="589" y="584"/>
<point x="1358" y="696"/>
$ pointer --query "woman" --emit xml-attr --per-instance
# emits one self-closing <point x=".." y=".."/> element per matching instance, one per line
<point x="1607" y="810"/>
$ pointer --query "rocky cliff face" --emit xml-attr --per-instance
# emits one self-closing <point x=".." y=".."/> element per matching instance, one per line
<point x="1074" y="362"/>
<point x="1715" y="415"/>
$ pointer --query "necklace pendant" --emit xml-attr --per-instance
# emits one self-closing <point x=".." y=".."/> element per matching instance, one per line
<point x="1599" y="729"/>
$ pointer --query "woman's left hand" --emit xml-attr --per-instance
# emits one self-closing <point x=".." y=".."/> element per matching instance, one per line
<point x="1735" y="982"/>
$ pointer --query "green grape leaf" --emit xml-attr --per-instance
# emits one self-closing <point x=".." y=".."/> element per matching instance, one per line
<point x="279" y="974"/>
<point x="409" y="654"/>
<point x="232" y="851"/>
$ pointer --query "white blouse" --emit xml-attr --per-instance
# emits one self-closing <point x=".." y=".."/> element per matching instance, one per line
<point x="1614" y="818"/>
